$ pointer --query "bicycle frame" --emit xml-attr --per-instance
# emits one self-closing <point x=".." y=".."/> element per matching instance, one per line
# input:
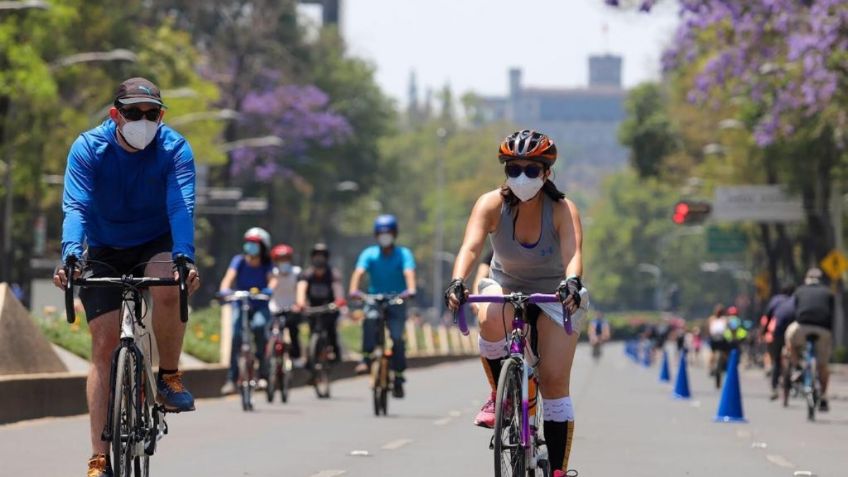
<point x="517" y="346"/>
<point x="144" y="438"/>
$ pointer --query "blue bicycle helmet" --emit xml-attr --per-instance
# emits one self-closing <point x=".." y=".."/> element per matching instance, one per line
<point x="385" y="223"/>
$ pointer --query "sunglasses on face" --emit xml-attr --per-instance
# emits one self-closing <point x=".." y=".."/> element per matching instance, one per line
<point x="532" y="171"/>
<point x="134" y="114"/>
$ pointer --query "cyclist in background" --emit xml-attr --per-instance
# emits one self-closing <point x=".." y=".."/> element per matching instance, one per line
<point x="769" y="331"/>
<point x="129" y="194"/>
<point x="599" y="333"/>
<point x="814" y="305"/>
<point x="536" y="236"/>
<point x="391" y="270"/>
<point x="284" y="297"/>
<point x="716" y="325"/>
<point x="321" y="285"/>
<point x="248" y="270"/>
<point x="735" y="334"/>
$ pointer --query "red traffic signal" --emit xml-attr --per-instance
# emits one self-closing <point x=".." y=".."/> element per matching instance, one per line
<point x="690" y="212"/>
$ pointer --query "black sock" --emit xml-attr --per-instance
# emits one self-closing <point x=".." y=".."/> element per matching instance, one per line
<point x="555" y="441"/>
<point x="164" y="372"/>
<point x="494" y="367"/>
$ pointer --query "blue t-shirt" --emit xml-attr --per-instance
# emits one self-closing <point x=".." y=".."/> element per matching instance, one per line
<point x="114" y="198"/>
<point x="248" y="277"/>
<point x="385" y="271"/>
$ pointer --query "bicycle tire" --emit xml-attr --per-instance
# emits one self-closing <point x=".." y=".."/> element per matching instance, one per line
<point x="142" y="462"/>
<point x="245" y="389"/>
<point x="320" y="367"/>
<point x="377" y="386"/>
<point x="273" y="378"/>
<point x="812" y="392"/>
<point x="285" y="379"/>
<point x="508" y="423"/>
<point x="385" y="382"/>
<point x="123" y="415"/>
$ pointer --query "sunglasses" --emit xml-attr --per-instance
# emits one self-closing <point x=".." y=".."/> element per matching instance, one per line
<point x="532" y="171"/>
<point x="134" y="114"/>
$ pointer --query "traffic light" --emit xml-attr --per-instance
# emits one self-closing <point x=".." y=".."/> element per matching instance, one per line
<point x="687" y="212"/>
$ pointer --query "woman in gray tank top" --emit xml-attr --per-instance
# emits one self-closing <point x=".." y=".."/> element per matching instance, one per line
<point x="536" y="236"/>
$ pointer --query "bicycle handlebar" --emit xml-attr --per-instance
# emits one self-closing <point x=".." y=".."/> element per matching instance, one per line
<point x="126" y="281"/>
<point x="388" y="298"/>
<point x="239" y="295"/>
<point x="459" y="315"/>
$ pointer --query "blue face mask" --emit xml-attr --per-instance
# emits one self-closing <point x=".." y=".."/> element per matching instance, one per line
<point x="251" y="248"/>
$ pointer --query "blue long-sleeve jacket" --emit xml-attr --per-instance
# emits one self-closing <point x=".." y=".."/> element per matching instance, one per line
<point x="118" y="199"/>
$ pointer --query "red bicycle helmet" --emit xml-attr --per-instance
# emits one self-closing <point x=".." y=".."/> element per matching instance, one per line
<point x="528" y="145"/>
<point x="281" y="251"/>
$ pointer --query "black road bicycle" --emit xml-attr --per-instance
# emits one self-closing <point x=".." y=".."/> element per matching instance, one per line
<point x="137" y="421"/>
<point x="321" y="350"/>
<point x="382" y="376"/>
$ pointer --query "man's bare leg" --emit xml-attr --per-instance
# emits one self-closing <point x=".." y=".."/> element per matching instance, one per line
<point x="105" y="334"/>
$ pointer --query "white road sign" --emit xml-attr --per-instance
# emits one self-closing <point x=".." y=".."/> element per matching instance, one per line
<point x="756" y="203"/>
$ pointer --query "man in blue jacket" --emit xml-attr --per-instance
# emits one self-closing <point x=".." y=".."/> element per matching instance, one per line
<point x="129" y="195"/>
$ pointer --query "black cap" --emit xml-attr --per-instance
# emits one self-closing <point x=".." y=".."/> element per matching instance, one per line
<point x="138" y="90"/>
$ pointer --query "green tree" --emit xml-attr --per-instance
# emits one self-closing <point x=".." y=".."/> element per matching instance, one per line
<point x="647" y="131"/>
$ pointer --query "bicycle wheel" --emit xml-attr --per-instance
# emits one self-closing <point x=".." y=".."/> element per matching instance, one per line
<point x="385" y="382"/>
<point x="274" y="378"/>
<point x="245" y="387"/>
<point x="123" y="415"/>
<point x="509" y="453"/>
<point x="320" y="366"/>
<point x="141" y="463"/>
<point x="377" y="391"/>
<point x="811" y="390"/>
<point x="285" y="377"/>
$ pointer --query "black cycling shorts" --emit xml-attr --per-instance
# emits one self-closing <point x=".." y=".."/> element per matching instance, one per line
<point x="110" y="262"/>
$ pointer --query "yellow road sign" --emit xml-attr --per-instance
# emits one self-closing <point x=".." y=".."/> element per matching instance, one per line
<point x="834" y="264"/>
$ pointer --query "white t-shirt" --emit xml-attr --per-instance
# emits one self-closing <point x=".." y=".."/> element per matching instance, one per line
<point x="284" y="293"/>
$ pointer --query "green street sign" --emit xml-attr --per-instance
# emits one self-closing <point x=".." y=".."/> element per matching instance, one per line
<point x="726" y="240"/>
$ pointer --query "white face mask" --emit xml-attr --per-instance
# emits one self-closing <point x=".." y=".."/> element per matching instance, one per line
<point x="139" y="134"/>
<point x="523" y="187"/>
<point x="385" y="240"/>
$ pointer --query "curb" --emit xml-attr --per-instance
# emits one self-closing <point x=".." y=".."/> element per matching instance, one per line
<point x="35" y="396"/>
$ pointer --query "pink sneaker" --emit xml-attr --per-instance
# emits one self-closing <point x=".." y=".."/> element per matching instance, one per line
<point x="570" y="473"/>
<point x="486" y="416"/>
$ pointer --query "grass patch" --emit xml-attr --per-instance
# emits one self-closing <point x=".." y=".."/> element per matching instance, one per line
<point x="203" y="334"/>
<point x="73" y="337"/>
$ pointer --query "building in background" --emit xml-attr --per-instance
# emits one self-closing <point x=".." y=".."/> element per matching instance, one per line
<point x="582" y="121"/>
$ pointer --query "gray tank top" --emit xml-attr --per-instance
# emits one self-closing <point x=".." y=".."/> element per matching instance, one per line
<point x="535" y="268"/>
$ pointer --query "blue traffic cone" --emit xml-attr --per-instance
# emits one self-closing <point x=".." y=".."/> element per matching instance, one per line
<point x="730" y="404"/>
<point x="665" y="375"/>
<point x="681" y="386"/>
<point x="646" y="357"/>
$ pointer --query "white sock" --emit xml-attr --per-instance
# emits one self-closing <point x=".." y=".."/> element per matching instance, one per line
<point x="558" y="410"/>
<point x="492" y="349"/>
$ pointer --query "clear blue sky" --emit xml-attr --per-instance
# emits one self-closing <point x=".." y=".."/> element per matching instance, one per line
<point x="470" y="44"/>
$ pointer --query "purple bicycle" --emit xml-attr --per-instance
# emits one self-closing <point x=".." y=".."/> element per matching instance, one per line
<point x="518" y="441"/>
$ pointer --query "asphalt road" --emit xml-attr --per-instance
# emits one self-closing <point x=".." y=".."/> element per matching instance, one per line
<point x="627" y="424"/>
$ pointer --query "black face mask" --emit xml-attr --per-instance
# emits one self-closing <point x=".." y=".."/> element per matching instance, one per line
<point x="319" y="261"/>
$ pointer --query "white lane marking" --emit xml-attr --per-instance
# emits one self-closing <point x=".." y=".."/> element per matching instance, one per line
<point x="454" y="414"/>
<point x="443" y="421"/>
<point x="397" y="444"/>
<point x="360" y="453"/>
<point x="779" y="460"/>
<point x="743" y="434"/>
<point x="329" y="473"/>
<point x="804" y="473"/>
<point x="759" y="445"/>
<point x="696" y="403"/>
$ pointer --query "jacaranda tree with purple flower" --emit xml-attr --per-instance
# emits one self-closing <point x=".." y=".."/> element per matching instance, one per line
<point x="300" y="115"/>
